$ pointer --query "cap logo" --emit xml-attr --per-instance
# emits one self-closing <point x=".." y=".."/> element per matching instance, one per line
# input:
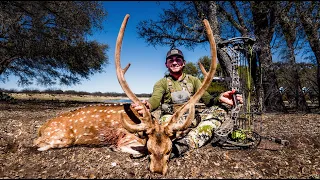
<point x="174" y="51"/>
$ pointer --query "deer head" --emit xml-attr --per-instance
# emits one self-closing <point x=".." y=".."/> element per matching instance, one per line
<point x="160" y="136"/>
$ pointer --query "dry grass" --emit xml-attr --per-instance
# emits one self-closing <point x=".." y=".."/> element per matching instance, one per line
<point x="63" y="97"/>
<point x="19" y="123"/>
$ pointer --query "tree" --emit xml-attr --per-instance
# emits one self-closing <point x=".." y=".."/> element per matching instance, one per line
<point x="191" y="69"/>
<point x="216" y="87"/>
<point x="257" y="19"/>
<point x="309" y="16"/>
<point x="263" y="13"/>
<point x="289" y="26"/>
<point x="182" y="25"/>
<point x="45" y="41"/>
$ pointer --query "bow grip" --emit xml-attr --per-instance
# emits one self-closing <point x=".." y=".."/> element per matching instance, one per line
<point x="234" y="98"/>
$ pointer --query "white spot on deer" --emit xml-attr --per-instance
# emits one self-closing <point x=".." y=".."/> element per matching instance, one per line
<point x="88" y="112"/>
<point x="92" y="115"/>
<point x="72" y="115"/>
<point x="70" y="120"/>
<point x="77" y="113"/>
<point x="76" y="120"/>
<point x="94" y="110"/>
<point x="108" y="116"/>
<point x="71" y="127"/>
<point x="96" y="116"/>
<point x="51" y="142"/>
<point x="81" y="120"/>
<point x="100" y="110"/>
<point x="82" y="112"/>
<point x="105" y="111"/>
<point x="75" y="131"/>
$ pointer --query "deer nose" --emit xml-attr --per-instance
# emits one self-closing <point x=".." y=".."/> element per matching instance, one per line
<point x="159" y="170"/>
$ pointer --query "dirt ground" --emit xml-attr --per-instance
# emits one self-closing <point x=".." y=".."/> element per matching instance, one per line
<point x="19" y="123"/>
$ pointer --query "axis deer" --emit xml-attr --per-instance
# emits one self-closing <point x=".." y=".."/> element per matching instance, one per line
<point x="118" y="125"/>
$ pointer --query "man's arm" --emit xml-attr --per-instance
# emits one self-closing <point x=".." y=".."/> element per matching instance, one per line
<point x="154" y="101"/>
<point x="225" y="97"/>
<point x="157" y="94"/>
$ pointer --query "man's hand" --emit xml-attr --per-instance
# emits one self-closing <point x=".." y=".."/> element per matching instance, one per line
<point x="226" y="97"/>
<point x="139" y="108"/>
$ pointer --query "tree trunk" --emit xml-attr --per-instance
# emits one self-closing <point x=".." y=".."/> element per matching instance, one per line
<point x="311" y="25"/>
<point x="300" y="101"/>
<point x="289" y="26"/>
<point x="264" y="21"/>
<point x="211" y="13"/>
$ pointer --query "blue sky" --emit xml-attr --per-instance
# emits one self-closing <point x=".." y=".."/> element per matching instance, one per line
<point x="147" y="62"/>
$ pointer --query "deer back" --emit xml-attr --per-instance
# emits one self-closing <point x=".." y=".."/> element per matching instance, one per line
<point x="91" y="125"/>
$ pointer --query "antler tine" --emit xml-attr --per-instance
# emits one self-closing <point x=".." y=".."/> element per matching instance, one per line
<point x="172" y="125"/>
<point x="204" y="72"/>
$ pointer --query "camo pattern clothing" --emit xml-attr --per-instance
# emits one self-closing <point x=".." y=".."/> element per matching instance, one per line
<point x="202" y="128"/>
<point x="171" y="93"/>
<point x="163" y="89"/>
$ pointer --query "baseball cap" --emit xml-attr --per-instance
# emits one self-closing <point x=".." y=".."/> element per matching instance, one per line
<point x="174" y="51"/>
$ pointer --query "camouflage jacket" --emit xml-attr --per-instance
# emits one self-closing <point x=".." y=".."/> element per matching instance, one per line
<point x="163" y="88"/>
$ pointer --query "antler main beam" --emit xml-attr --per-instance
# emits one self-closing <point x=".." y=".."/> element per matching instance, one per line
<point x="146" y="120"/>
<point x="121" y="72"/>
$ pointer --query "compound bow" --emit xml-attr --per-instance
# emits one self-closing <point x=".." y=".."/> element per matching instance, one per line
<point x="237" y="132"/>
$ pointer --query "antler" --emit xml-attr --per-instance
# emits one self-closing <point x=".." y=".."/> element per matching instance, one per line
<point x="159" y="142"/>
<point x="173" y="125"/>
<point x="146" y="120"/>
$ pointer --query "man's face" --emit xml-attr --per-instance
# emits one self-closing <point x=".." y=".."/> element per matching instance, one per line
<point x="175" y="63"/>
